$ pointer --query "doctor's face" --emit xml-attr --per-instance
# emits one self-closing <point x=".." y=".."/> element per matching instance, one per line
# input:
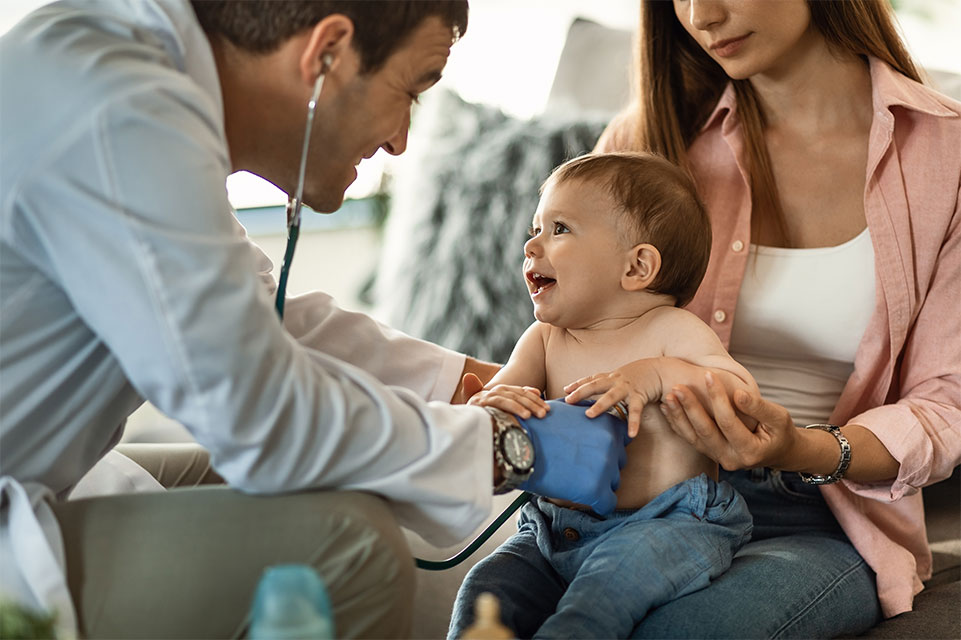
<point x="367" y="112"/>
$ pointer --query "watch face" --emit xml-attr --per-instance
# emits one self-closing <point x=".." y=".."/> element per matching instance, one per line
<point x="517" y="450"/>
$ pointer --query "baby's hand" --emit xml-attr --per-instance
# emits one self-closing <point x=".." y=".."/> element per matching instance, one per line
<point x="521" y="401"/>
<point x="631" y="384"/>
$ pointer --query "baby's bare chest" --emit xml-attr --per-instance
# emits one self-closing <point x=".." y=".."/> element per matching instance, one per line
<point x="569" y="360"/>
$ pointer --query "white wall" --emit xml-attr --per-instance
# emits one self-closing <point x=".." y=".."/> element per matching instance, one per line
<point x="337" y="261"/>
<point x="509" y="54"/>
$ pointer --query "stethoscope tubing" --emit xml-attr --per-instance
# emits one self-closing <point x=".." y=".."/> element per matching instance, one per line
<point x="295" y="204"/>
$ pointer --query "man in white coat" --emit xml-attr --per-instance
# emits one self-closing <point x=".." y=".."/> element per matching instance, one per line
<point x="124" y="276"/>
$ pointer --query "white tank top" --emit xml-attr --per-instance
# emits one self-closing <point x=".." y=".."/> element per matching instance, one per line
<point x="800" y="316"/>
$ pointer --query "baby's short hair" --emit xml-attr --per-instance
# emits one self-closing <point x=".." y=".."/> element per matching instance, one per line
<point x="659" y="202"/>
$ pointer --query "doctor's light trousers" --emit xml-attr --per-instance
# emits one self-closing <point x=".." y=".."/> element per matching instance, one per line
<point x="185" y="563"/>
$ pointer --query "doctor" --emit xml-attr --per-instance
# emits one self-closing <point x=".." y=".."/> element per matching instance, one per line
<point x="124" y="277"/>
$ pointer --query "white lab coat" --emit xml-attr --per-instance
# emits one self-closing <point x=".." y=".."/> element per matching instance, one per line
<point x="124" y="275"/>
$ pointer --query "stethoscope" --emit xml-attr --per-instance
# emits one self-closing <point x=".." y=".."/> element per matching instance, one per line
<point x="294" y="205"/>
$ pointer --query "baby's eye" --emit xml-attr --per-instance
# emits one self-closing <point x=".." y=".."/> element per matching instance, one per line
<point x="559" y="228"/>
<point x="533" y="231"/>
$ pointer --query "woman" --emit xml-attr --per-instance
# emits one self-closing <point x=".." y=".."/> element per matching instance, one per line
<point x="832" y="178"/>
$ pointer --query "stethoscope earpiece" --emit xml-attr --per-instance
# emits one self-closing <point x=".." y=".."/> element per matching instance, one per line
<point x="326" y="63"/>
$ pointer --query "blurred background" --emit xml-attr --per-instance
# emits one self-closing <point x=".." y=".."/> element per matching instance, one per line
<point x="507" y="60"/>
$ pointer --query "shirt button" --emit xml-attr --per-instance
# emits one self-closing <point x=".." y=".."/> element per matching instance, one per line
<point x="719" y="315"/>
<point x="572" y="534"/>
<point x="738" y="245"/>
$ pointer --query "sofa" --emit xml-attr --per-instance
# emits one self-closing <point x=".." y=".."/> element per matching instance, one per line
<point x="461" y="201"/>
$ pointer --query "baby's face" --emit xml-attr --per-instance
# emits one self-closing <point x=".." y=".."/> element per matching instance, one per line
<point x="576" y="255"/>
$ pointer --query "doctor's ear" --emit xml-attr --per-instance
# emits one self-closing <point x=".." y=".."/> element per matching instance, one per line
<point x="328" y="43"/>
<point x="643" y="266"/>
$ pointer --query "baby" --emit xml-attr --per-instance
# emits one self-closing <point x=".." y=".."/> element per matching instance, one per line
<point x="618" y="244"/>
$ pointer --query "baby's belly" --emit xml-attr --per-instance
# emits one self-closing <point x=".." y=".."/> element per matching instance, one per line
<point x="657" y="459"/>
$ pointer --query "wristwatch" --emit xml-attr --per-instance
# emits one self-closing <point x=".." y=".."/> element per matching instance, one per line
<point x="843" y="463"/>
<point x="513" y="451"/>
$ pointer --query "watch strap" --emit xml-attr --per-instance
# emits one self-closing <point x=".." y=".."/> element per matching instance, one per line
<point x="843" y="463"/>
<point x="510" y="479"/>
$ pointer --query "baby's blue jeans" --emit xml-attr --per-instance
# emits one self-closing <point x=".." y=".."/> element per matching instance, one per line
<point x="798" y="577"/>
<point x="615" y="569"/>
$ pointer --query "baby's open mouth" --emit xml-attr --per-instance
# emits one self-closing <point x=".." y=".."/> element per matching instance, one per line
<point x="538" y="281"/>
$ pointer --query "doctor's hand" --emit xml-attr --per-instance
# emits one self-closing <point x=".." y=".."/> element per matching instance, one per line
<point x="521" y="401"/>
<point x="773" y="442"/>
<point x="475" y="375"/>
<point x="577" y="458"/>
<point x="470" y="384"/>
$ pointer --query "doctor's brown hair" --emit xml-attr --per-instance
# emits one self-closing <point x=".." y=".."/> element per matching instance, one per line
<point x="678" y="85"/>
<point x="659" y="203"/>
<point x="381" y="27"/>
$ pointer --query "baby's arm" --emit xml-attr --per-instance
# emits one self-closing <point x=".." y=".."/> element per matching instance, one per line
<point x="695" y="343"/>
<point x="690" y="349"/>
<point x="516" y="388"/>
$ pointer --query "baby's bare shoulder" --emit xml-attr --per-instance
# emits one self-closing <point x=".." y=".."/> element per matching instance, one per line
<point x="681" y="333"/>
<point x="674" y="318"/>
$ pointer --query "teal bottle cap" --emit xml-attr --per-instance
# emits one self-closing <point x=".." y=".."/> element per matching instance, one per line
<point x="291" y="603"/>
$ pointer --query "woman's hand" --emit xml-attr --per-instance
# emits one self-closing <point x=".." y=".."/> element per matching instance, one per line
<point x="725" y="438"/>
<point x="520" y="401"/>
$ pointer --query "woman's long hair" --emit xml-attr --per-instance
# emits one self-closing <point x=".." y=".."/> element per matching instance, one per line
<point x="679" y="85"/>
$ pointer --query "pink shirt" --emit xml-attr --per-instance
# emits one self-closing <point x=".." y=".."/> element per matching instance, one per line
<point x="906" y="385"/>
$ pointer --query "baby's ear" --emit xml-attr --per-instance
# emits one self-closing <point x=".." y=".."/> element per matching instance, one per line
<point x="644" y="263"/>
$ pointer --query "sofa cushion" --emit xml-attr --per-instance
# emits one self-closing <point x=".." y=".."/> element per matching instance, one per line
<point x="594" y="70"/>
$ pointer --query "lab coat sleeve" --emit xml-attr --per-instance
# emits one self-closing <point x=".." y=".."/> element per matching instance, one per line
<point x="393" y="357"/>
<point x="134" y="219"/>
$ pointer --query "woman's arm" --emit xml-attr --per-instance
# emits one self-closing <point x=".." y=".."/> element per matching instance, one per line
<point x="775" y="442"/>
<point x="617" y="135"/>
<point x="896" y="448"/>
